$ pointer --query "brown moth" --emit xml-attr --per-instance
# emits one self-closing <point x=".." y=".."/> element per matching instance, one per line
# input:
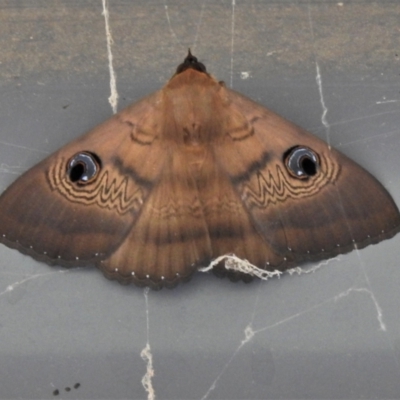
<point x="189" y="173"/>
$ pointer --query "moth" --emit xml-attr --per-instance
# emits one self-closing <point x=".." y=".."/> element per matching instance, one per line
<point x="192" y="172"/>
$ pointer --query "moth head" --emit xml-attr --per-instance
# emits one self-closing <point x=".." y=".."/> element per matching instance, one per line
<point x="301" y="162"/>
<point x="191" y="62"/>
<point x="83" y="167"/>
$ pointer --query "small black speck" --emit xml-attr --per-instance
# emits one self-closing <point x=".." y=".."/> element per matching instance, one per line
<point x="67" y="389"/>
<point x="66" y="106"/>
<point x="77" y="385"/>
<point x="56" y="392"/>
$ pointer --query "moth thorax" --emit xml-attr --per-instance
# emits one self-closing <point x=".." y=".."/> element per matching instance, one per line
<point x="193" y="134"/>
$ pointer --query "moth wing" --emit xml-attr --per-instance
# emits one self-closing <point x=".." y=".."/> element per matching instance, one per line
<point x="230" y="225"/>
<point x="337" y="208"/>
<point x="46" y="215"/>
<point x="170" y="239"/>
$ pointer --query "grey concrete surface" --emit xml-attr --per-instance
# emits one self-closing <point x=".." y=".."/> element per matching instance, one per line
<point x="334" y="333"/>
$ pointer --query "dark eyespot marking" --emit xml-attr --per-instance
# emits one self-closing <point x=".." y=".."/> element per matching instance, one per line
<point x="83" y="167"/>
<point x="301" y="162"/>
